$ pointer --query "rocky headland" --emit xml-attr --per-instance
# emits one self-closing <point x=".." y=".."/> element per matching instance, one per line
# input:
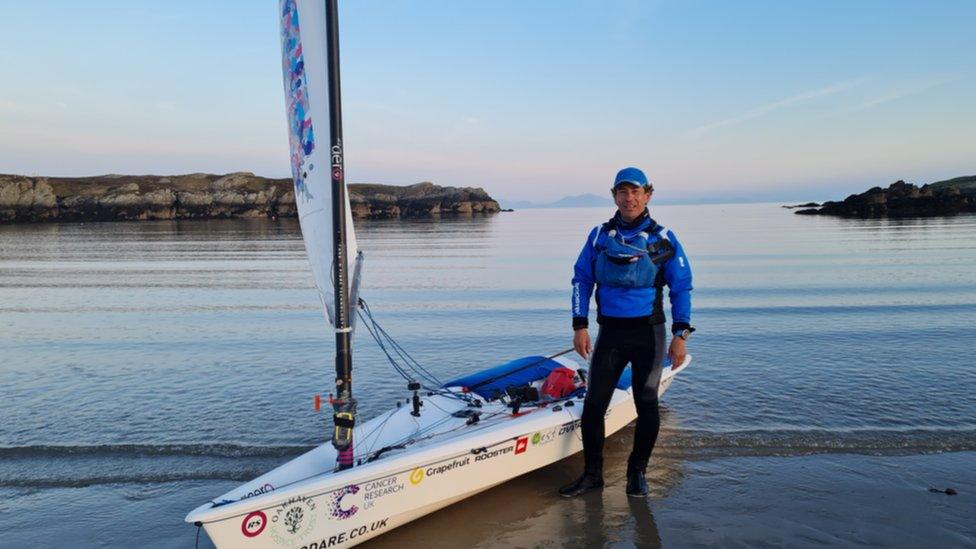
<point x="210" y="196"/>
<point x="902" y="199"/>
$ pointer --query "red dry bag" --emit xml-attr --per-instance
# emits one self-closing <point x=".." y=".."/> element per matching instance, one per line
<point x="559" y="383"/>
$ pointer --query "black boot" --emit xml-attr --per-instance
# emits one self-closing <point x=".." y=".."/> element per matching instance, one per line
<point x="636" y="484"/>
<point x="586" y="482"/>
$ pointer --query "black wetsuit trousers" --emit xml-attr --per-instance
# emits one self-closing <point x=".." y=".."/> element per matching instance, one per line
<point x="643" y="348"/>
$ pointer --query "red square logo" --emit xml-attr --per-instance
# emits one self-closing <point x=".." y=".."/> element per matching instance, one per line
<point x="521" y="444"/>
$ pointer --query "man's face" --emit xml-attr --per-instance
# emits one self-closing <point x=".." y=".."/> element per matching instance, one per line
<point x="631" y="200"/>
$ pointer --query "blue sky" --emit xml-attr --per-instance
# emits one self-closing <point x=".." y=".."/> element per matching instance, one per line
<point x="717" y="101"/>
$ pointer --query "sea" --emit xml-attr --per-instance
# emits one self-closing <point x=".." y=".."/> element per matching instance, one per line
<point x="146" y="367"/>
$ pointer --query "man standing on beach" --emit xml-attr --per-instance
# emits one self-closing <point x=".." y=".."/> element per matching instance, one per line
<point x="628" y="259"/>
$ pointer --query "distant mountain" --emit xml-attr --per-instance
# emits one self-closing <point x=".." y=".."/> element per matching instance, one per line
<point x="575" y="201"/>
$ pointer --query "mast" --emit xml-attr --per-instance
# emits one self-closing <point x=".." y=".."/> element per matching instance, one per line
<point x="344" y="405"/>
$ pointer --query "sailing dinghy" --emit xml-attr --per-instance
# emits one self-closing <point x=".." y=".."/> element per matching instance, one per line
<point x="446" y="441"/>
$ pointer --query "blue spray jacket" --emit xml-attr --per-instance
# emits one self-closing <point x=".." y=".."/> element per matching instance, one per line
<point x="632" y="305"/>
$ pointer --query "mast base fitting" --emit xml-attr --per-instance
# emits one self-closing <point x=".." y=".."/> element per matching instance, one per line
<point x="417" y="403"/>
<point x="343" y="420"/>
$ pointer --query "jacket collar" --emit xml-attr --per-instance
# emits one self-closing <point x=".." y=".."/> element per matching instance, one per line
<point x="643" y="221"/>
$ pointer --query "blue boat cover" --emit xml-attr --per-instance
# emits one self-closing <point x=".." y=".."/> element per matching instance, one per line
<point x="517" y="372"/>
<point x="625" y="380"/>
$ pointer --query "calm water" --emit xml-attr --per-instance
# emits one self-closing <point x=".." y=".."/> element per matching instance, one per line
<point x="160" y="355"/>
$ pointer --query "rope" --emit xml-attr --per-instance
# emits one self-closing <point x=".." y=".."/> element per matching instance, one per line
<point x="384" y="339"/>
<point x="407" y="366"/>
<point x="411" y="370"/>
<point x="400" y="350"/>
<point x="379" y="427"/>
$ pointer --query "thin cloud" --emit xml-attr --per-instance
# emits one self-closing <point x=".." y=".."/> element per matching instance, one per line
<point x="906" y="91"/>
<point x="11" y="106"/>
<point x="775" y="106"/>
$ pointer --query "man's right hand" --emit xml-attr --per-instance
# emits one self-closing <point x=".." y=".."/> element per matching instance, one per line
<point x="581" y="342"/>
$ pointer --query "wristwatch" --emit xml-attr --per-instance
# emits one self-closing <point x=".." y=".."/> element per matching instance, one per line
<point x="684" y="334"/>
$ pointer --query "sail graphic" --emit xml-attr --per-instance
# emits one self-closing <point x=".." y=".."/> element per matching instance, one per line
<point x="303" y="65"/>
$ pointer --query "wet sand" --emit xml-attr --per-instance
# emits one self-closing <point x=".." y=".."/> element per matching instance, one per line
<point x="835" y="499"/>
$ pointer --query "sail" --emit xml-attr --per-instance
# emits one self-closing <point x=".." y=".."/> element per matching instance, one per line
<point x="304" y="66"/>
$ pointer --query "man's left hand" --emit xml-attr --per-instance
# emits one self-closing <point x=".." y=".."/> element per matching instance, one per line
<point x="677" y="351"/>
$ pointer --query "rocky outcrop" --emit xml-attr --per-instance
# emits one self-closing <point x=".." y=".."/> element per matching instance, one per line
<point x="422" y="199"/>
<point x="209" y="196"/>
<point x="901" y="199"/>
<point x="26" y="199"/>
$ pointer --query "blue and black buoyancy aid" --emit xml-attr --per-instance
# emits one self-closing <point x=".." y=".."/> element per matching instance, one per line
<point x="629" y="263"/>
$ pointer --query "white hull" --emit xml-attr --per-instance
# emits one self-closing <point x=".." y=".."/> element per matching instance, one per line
<point x="305" y="504"/>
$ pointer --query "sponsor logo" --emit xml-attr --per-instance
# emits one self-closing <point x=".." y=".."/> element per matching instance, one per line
<point x="258" y="491"/>
<point x="416" y="476"/>
<point x="336" y="161"/>
<point x="377" y="489"/>
<point x="293" y="519"/>
<point x="494" y="453"/>
<point x="569" y="427"/>
<point x="254" y="524"/>
<point x="544" y="437"/>
<point x="521" y="445"/>
<point x="454" y="464"/>
<point x="480" y="454"/>
<point x="348" y="535"/>
<point x="336" y="509"/>
<point x="349" y="500"/>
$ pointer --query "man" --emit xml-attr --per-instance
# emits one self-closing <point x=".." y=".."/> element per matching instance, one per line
<point x="629" y="259"/>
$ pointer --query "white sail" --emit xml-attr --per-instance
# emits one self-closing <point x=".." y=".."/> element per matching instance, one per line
<point x="304" y="68"/>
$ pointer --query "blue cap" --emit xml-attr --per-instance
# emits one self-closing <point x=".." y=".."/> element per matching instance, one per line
<point x="632" y="176"/>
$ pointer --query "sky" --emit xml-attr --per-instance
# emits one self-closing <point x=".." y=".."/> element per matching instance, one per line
<point x="716" y="101"/>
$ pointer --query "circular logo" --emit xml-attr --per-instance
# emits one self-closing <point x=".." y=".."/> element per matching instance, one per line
<point x="536" y="438"/>
<point x="293" y="519"/>
<point x="416" y="476"/>
<point x="254" y="524"/>
<point x="337" y="509"/>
